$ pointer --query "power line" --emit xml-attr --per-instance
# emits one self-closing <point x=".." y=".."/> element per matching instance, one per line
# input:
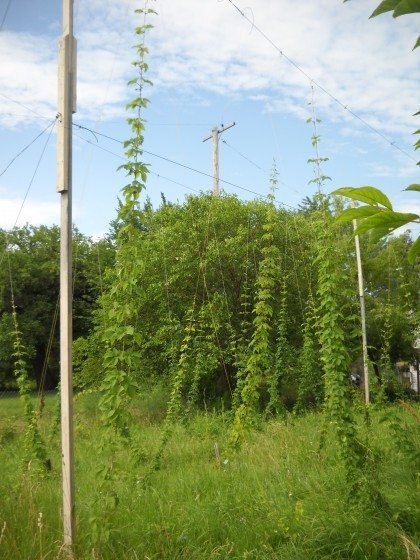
<point x="5" y="15"/>
<point x="319" y="86"/>
<point x="28" y="189"/>
<point x="164" y="158"/>
<point x="25" y="107"/>
<point x="25" y="148"/>
<point x="245" y="157"/>
<point x="198" y="171"/>
<point x="33" y="175"/>
<point x="177" y="124"/>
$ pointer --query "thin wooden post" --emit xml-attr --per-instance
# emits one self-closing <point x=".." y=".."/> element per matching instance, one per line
<point x="66" y="107"/>
<point x="215" y="142"/>
<point x="362" y="315"/>
<point x="215" y="139"/>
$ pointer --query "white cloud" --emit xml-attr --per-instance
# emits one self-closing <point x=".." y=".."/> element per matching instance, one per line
<point x="402" y="171"/>
<point x="367" y="64"/>
<point x="407" y="203"/>
<point x="34" y="212"/>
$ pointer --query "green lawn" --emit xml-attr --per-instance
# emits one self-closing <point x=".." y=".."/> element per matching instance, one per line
<point x="280" y="497"/>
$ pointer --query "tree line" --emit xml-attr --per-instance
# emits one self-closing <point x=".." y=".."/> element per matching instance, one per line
<point x="197" y="268"/>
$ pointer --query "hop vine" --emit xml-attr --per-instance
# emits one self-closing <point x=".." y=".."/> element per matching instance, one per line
<point x="34" y="446"/>
<point x="260" y="361"/>
<point x="120" y="361"/>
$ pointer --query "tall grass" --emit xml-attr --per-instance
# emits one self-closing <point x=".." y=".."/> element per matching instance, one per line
<point x="279" y="497"/>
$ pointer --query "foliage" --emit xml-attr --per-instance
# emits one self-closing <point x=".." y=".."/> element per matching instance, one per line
<point x="282" y="368"/>
<point x="34" y="446"/>
<point x="33" y="252"/>
<point x="276" y="498"/>
<point x="377" y="214"/>
<point x="120" y="313"/>
<point x="311" y="387"/>
<point x="400" y="8"/>
<point x="260" y="360"/>
<point x="334" y="355"/>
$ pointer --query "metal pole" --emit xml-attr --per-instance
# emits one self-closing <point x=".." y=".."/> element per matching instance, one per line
<point x="362" y="316"/>
<point x="66" y="107"/>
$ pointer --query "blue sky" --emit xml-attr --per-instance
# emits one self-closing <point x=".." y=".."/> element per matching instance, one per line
<point x="209" y="66"/>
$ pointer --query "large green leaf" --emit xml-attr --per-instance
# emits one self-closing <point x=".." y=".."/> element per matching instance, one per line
<point x="386" y="220"/>
<point x="377" y="233"/>
<point x="355" y="213"/>
<point x="413" y="187"/>
<point x="414" y="251"/>
<point x="407" y="7"/>
<point x="400" y="7"/>
<point x="369" y="195"/>
<point x="385" y="6"/>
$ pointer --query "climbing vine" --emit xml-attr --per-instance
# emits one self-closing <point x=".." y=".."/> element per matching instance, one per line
<point x="310" y="388"/>
<point x="334" y="356"/>
<point x="260" y="361"/>
<point x="34" y="446"/>
<point x="119" y="309"/>
<point x="283" y="356"/>
<point x="121" y="312"/>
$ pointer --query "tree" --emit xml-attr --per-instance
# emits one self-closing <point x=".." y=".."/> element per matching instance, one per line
<point x="33" y="254"/>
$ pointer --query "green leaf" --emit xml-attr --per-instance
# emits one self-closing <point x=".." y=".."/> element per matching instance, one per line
<point x="417" y="44"/>
<point x="406" y="7"/>
<point x="385" y="6"/>
<point x="400" y="7"/>
<point x="413" y="187"/>
<point x="355" y="213"/>
<point x="369" y="195"/>
<point x="414" y="251"/>
<point x="377" y="233"/>
<point x="386" y="220"/>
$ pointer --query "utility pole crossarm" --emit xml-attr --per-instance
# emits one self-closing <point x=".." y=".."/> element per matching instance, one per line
<point x="220" y="130"/>
<point x="215" y="133"/>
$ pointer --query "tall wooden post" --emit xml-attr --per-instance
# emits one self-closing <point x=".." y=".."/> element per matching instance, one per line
<point x="66" y="107"/>
<point x="362" y="316"/>
<point x="215" y="142"/>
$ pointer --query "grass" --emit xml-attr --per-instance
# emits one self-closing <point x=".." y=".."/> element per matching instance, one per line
<point x="279" y="497"/>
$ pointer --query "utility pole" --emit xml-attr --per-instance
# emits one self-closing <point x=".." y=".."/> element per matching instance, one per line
<point x="362" y="316"/>
<point x="66" y="108"/>
<point x="215" y="132"/>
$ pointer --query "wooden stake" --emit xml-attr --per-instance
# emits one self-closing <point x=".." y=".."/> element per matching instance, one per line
<point x="215" y="138"/>
<point x="66" y="106"/>
<point x="362" y="315"/>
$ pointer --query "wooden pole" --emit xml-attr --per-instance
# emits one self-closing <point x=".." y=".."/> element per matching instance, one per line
<point x="215" y="132"/>
<point x="66" y="107"/>
<point x="215" y="141"/>
<point x="362" y="316"/>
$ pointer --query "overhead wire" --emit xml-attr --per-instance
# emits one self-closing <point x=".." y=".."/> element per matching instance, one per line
<point x="5" y="15"/>
<point x="174" y="162"/>
<point x="25" y="107"/>
<point x="30" y="185"/>
<point x="245" y="157"/>
<point x="320" y="86"/>
<point x="25" y="148"/>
